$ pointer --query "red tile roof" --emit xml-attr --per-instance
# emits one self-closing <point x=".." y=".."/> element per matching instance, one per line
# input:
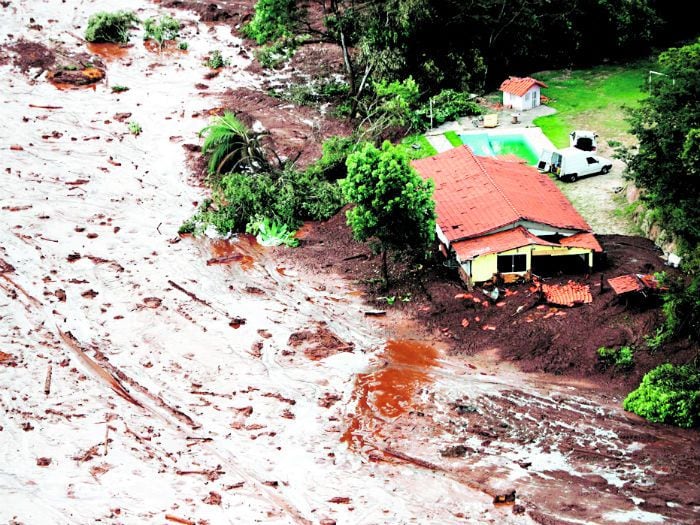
<point x="476" y="195"/>
<point x="568" y="294"/>
<point x="519" y="86"/>
<point x="497" y="242"/>
<point x="634" y="283"/>
<point x="582" y="240"/>
<point x="625" y="284"/>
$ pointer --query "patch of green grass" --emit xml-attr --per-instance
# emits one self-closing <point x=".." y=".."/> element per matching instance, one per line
<point x="592" y="99"/>
<point x="453" y="138"/>
<point x="417" y="147"/>
<point x="119" y="89"/>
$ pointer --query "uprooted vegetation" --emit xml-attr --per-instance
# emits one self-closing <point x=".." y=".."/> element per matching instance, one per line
<point x="111" y="27"/>
<point x="252" y="193"/>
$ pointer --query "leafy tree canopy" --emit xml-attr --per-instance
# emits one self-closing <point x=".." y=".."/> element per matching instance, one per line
<point x="668" y="394"/>
<point x="392" y="203"/>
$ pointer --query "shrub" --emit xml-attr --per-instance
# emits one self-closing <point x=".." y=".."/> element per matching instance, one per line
<point x="273" y="55"/>
<point x="331" y="165"/>
<point x="216" y="60"/>
<point x="621" y="358"/>
<point x="273" y="19"/>
<point x="668" y="394"/>
<point x="183" y="46"/>
<point x="272" y="233"/>
<point x="681" y="309"/>
<point x="448" y="105"/>
<point x="167" y="28"/>
<point x="110" y="27"/>
<point x="119" y="89"/>
<point x="135" y="128"/>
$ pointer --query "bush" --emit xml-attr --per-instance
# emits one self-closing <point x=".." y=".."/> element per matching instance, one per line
<point x="161" y="31"/>
<point x="216" y="60"/>
<point x="331" y="165"/>
<point x="668" y="394"/>
<point x="110" y="27"/>
<point x="285" y="200"/>
<point x="277" y="53"/>
<point x="273" y="19"/>
<point x="621" y="358"/>
<point x="681" y="309"/>
<point x="448" y="105"/>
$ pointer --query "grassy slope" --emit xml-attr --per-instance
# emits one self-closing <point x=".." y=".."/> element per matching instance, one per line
<point x="425" y="150"/>
<point x="592" y="99"/>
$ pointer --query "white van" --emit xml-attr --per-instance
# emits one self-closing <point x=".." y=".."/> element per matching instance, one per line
<point x="570" y="164"/>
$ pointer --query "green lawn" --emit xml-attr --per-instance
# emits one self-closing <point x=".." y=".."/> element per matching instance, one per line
<point x="592" y="99"/>
<point x="417" y="147"/>
<point x="453" y="138"/>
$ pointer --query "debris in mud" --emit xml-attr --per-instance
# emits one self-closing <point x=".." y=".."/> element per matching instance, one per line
<point x="214" y="498"/>
<point x="7" y="359"/>
<point x="320" y="343"/>
<point x="16" y="147"/>
<point x="89" y="294"/>
<point x="6" y="267"/>
<point x="79" y="69"/>
<point x="328" y="399"/>
<point x="341" y="500"/>
<point x="506" y="497"/>
<point x="458" y="451"/>
<point x="43" y="462"/>
<point x="152" y="302"/>
<point x="569" y="294"/>
<point x="121" y="117"/>
<point x="30" y="55"/>
<point x="237" y="322"/>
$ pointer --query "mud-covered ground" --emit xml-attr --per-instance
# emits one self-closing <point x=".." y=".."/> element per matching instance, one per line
<point x="148" y="378"/>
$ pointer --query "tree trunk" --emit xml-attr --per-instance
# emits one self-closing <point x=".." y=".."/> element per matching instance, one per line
<point x="385" y="269"/>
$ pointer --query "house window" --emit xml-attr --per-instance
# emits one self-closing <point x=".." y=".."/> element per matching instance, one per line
<point x="511" y="263"/>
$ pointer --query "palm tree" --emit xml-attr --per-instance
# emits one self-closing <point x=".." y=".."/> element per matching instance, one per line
<point x="231" y="146"/>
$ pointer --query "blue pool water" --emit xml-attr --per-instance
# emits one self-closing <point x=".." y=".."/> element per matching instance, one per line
<point x="493" y="145"/>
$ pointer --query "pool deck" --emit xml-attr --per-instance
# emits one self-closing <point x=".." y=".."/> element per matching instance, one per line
<point x="469" y="125"/>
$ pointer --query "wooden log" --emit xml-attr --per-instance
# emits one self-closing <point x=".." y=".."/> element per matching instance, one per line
<point x="47" y="382"/>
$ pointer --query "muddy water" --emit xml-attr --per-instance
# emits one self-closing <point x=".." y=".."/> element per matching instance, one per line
<point x="388" y="392"/>
<point x="108" y="50"/>
<point x="170" y="387"/>
<point x="154" y="401"/>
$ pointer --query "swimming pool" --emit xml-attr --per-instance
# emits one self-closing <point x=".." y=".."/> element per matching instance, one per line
<point x="491" y="145"/>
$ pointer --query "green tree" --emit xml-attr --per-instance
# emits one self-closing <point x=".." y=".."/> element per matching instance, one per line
<point x="668" y="394"/>
<point x="392" y="204"/>
<point x="231" y="147"/>
<point x="666" y="167"/>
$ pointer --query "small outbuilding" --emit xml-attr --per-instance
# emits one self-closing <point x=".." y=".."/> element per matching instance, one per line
<point x="500" y="217"/>
<point x="521" y="93"/>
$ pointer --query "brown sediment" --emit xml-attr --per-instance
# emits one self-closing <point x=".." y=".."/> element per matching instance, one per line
<point x="108" y="50"/>
<point x="388" y="392"/>
<point x="169" y="47"/>
<point x="244" y="251"/>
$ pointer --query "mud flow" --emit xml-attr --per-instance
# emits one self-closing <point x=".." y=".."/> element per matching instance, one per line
<point x="151" y="378"/>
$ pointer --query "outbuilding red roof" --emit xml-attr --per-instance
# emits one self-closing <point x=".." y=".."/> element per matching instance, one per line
<point x="519" y="86"/>
<point x="477" y="195"/>
<point x="497" y="242"/>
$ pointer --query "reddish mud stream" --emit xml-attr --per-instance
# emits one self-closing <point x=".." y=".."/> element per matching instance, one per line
<point x="390" y="391"/>
<point x="108" y="50"/>
<point x="244" y="252"/>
